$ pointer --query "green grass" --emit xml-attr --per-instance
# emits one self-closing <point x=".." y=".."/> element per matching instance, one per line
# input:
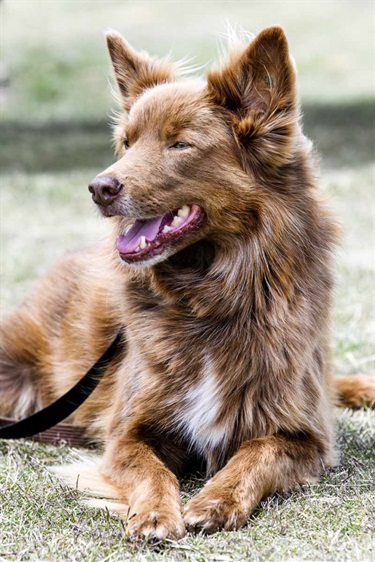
<point x="55" y="138"/>
<point x="333" y="520"/>
<point x="55" y="57"/>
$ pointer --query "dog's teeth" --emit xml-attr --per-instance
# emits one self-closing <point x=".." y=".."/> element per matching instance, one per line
<point x="166" y="229"/>
<point x="142" y="242"/>
<point x="128" y="228"/>
<point x="137" y="249"/>
<point x="176" y="221"/>
<point x="184" y="211"/>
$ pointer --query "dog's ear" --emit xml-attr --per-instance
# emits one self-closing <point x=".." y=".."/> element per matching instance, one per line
<point x="134" y="71"/>
<point x="258" y="86"/>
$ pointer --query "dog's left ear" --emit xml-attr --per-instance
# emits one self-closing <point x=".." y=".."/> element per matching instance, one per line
<point x="135" y="71"/>
<point x="258" y="87"/>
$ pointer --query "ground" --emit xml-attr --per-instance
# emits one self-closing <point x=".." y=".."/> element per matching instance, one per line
<point x="55" y="138"/>
<point x="42" y="520"/>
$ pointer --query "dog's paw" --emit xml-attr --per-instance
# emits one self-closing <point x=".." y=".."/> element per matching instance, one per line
<point x="155" y="526"/>
<point x="210" y="512"/>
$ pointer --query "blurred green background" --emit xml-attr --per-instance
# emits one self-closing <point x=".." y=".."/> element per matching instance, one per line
<point x="59" y="67"/>
<point x="55" y="67"/>
<point x="56" y="108"/>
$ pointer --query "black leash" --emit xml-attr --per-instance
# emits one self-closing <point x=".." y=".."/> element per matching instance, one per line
<point x="66" y="404"/>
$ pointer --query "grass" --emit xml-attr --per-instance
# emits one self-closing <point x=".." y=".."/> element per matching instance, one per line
<point x="332" y="520"/>
<point x="55" y="138"/>
<point x="55" y="58"/>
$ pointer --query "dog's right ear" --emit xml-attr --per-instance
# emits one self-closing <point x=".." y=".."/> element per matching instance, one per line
<point x="135" y="71"/>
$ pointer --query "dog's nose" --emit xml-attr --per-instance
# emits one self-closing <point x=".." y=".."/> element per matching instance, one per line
<point x="104" y="189"/>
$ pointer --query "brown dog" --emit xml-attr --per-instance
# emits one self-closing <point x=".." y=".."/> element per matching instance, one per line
<point x="220" y="268"/>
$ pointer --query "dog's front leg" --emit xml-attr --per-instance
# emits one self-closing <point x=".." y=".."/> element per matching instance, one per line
<point x="151" y="490"/>
<point x="258" y="468"/>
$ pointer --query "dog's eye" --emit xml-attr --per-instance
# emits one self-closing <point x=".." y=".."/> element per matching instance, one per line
<point x="180" y="145"/>
<point x="126" y="144"/>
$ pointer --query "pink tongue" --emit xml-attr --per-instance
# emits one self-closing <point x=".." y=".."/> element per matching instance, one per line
<point x="147" y="228"/>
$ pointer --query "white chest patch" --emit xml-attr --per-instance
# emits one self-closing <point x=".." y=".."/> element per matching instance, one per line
<point x="200" y="409"/>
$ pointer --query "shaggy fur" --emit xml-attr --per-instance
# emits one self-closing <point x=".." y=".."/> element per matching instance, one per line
<point x="225" y="361"/>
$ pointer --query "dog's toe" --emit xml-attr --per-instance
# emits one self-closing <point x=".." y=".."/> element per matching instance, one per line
<point x="213" y="514"/>
<point x="154" y="526"/>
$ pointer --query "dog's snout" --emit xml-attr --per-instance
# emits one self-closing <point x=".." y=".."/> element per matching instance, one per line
<point x="105" y="189"/>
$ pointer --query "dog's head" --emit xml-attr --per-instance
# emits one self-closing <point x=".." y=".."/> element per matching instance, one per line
<point x="195" y="156"/>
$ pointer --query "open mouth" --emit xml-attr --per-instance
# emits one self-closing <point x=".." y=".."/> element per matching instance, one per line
<point x="146" y="238"/>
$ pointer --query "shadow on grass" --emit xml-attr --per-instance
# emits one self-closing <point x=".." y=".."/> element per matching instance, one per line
<point x="342" y="134"/>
